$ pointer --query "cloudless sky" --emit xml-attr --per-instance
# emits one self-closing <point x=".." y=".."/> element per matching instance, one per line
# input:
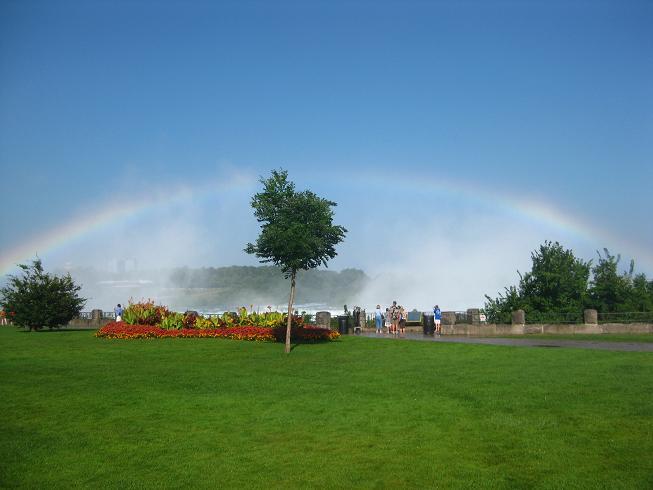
<point x="546" y="100"/>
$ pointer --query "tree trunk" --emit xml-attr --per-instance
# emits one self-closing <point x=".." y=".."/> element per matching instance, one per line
<point x="290" y="302"/>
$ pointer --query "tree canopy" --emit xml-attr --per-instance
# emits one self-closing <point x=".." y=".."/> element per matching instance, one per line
<point x="297" y="230"/>
<point x="613" y="292"/>
<point x="39" y="299"/>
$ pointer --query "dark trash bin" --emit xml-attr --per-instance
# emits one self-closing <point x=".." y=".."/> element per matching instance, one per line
<point x="429" y="324"/>
<point x="343" y="324"/>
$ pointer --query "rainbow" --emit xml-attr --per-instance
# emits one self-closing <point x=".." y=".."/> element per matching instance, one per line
<point x="108" y="215"/>
<point x="528" y="210"/>
<point x="531" y="211"/>
<point x="523" y="209"/>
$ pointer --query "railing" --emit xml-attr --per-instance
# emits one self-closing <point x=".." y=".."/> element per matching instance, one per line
<point x="88" y="315"/>
<point x="462" y="317"/>
<point x="626" y="317"/>
<point x="578" y="318"/>
<point x="553" y="317"/>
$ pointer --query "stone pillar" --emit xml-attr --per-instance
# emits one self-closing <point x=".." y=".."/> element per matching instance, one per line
<point x="474" y="316"/>
<point x="448" y="317"/>
<point x="518" y="317"/>
<point x="323" y="319"/>
<point x="591" y="317"/>
<point x="96" y="317"/>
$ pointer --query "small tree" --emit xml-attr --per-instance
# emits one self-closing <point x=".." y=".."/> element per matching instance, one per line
<point x="297" y="231"/>
<point x="39" y="299"/>
<point x="500" y="310"/>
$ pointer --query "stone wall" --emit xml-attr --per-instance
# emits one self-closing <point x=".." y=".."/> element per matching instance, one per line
<point x="552" y="329"/>
<point x="88" y="322"/>
<point x="97" y="319"/>
<point x="493" y="330"/>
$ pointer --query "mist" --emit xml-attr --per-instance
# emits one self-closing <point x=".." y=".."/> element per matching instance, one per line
<point x="417" y="251"/>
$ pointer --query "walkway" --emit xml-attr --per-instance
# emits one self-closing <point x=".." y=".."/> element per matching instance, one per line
<point x="526" y="342"/>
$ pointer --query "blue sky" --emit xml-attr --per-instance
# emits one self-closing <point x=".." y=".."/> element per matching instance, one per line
<point x="550" y="102"/>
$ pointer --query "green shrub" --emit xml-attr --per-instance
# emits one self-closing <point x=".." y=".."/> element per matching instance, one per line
<point x="38" y="299"/>
<point x="144" y="313"/>
<point x="174" y="321"/>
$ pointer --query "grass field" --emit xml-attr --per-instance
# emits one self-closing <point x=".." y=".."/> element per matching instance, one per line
<point x="179" y="413"/>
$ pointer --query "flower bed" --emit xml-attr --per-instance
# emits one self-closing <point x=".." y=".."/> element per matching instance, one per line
<point x="145" y="319"/>
<point x="122" y="330"/>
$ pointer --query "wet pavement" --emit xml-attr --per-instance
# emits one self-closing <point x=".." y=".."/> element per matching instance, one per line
<point x="525" y="342"/>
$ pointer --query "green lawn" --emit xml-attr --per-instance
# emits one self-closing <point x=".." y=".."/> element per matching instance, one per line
<point x="361" y="412"/>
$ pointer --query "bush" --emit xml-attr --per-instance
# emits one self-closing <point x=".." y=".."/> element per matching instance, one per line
<point x="38" y="299"/>
<point x="144" y="313"/>
<point x="174" y="321"/>
<point x="304" y="333"/>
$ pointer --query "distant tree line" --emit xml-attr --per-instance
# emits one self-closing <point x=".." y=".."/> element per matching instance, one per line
<point x="235" y="284"/>
<point x="560" y="286"/>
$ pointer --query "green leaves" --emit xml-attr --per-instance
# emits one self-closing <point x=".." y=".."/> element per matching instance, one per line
<point x="554" y="290"/>
<point x="297" y="230"/>
<point x="557" y="289"/>
<point x="613" y="292"/>
<point x="39" y="299"/>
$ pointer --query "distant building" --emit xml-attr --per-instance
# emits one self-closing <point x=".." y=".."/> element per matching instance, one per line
<point x="120" y="266"/>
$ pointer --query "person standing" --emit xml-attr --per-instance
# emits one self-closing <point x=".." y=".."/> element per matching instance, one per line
<point x="402" y="320"/>
<point x="378" y="319"/>
<point x="388" y="320"/>
<point x="437" y="318"/>
<point x="395" y="317"/>
<point x="118" y="312"/>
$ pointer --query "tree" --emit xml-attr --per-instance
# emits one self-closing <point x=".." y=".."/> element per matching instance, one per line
<point x="641" y="297"/>
<point x="555" y="288"/>
<point x="39" y="299"/>
<point x="609" y="290"/>
<point x="612" y="292"/>
<point x="297" y="231"/>
<point x="557" y="284"/>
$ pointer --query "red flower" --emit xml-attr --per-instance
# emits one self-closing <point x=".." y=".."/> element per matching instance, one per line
<point x="121" y="330"/>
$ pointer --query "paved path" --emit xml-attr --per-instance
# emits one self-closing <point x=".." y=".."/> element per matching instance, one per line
<point x="526" y="342"/>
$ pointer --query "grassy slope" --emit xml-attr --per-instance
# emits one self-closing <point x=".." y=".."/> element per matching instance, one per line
<point x="362" y="412"/>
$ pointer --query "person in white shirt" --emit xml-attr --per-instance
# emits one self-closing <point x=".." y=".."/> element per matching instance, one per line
<point x="378" y="318"/>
